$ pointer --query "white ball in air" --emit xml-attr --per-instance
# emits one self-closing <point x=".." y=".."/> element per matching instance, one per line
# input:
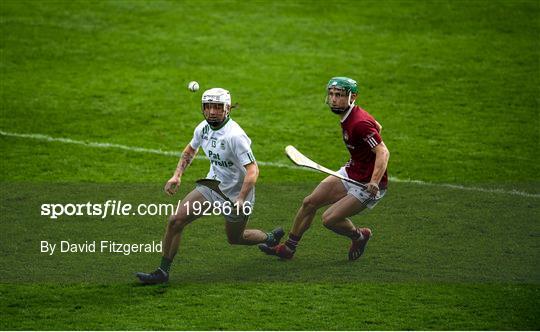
<point x="193" y="86"/>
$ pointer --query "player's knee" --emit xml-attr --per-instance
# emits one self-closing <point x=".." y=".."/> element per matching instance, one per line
<point x="176" y="223"/>
<point x="328" y="220"/>
<point x="309" y="204"/>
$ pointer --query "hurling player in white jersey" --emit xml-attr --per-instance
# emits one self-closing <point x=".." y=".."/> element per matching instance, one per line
<point x="232" y="163"/>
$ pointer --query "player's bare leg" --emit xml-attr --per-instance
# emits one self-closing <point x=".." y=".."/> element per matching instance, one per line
<point x="329" y="191"/>
<point x="238" y="234"/>
<point x="177" y="222"/>
<point x="171" y="240"/>
<point x="336" y="219"/>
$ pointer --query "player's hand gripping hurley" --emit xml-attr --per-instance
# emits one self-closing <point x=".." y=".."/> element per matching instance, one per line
<point x="299" y="159"/>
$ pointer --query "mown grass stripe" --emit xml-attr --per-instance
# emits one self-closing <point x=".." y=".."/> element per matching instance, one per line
<point x="47" y="138"/>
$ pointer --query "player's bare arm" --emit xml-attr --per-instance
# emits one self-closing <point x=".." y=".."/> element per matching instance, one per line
<point x="381" y="161"/>
<point x="171" y="187"/>
<point x="249" y="182"/>
<point x="379" y="126"/>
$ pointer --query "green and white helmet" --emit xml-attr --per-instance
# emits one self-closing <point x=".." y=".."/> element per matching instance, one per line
<point x="342" y="83"/>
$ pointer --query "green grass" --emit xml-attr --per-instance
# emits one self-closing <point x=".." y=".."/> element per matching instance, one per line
<point x="274" y="306"/>
<point x="452" y="83"/>
<point x="411" y="243"/>
<point x="455" y="85"/>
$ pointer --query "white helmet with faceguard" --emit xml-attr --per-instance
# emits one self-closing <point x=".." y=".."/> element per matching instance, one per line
<point x="217" y="96"/>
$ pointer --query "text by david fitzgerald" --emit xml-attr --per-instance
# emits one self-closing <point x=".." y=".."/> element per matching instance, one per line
<point x="99" y="247"/>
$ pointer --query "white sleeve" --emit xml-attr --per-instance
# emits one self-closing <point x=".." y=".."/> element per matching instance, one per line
<point x="196" y="140"/>
<point x="241" y="146"/>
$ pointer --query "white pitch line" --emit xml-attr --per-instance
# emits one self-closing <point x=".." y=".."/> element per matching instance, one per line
<point x="46" y="138"/>
<point x="460" y="187"/>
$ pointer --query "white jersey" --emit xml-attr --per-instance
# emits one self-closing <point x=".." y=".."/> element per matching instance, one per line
<point x="228" y="149"/>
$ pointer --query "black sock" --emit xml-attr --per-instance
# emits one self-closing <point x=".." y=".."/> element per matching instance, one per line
<point x="292" y="241"/>
<point x="165" y="264"/>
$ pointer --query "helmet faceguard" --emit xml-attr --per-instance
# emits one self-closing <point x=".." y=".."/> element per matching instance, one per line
<point x="345" y="84"/>
<point x="216" y="96"/>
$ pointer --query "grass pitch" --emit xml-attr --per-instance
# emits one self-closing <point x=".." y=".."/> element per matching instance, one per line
<point x="454" y="84"/>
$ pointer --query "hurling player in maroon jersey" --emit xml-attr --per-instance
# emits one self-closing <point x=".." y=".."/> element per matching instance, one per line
<point x="369" y="158"/>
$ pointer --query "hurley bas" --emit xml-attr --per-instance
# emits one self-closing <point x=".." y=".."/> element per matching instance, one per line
<point x="101" y="246"/>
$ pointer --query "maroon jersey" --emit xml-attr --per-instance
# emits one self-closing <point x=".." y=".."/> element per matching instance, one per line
<point x="360" y="134"/>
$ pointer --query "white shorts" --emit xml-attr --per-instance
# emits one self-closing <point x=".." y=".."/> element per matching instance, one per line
<point x="360" y="193"/>
<point x="212" y="197"/>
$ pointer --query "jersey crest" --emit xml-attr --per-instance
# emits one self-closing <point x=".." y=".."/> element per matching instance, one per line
<point x="205" y="131"/>
<point x="345" y="135"/>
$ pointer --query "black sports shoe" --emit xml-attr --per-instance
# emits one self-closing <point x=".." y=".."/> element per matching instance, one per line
<point x="157" y="277"/>
<point x="278" y="234"/>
